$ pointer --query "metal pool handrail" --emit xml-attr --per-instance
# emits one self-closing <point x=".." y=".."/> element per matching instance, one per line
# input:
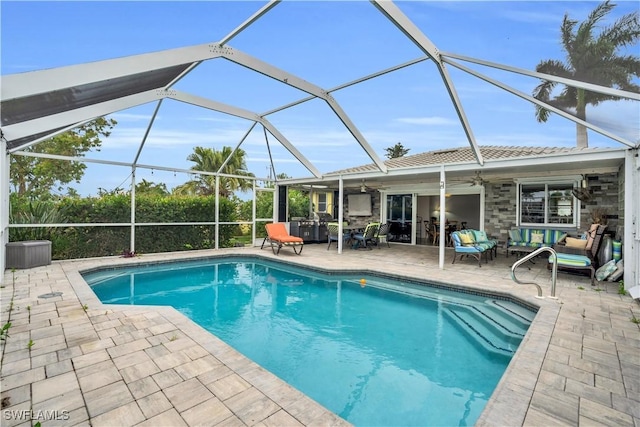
<point x="554" y="271"/>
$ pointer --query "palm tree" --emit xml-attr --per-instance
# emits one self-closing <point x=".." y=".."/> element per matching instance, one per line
<point x="593" y="59"/>
<point x="210" y="160"/>
<point x="150" y="188"/>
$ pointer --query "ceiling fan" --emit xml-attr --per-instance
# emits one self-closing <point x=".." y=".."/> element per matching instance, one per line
<point x="477" y="180"/>
<point x="582" y="193"/>
<point x="363" y="187"/>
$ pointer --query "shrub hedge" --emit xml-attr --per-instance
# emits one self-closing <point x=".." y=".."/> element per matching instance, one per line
<point x="95" y="241"/>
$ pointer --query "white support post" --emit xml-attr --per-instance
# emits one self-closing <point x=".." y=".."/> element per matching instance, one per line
<point x="132" y="242"/>
<point x="340" y="212"/>
<point x="4" y="204"/>
<point x="482" y="207"/>
<point x="217" y="213"/>
<point x="443" y="218"/>
<point x="253" y="213"/>
<point x="631" y="246"/>
<point x="276" y="203"/>
<point x="414" y="217"/>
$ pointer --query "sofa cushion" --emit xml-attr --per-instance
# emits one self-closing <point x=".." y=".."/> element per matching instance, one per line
<point x="515" y="235"/>
<point x="572" y="260"/>
<point x="551" y="237"/>
<point x="526" y="234"/>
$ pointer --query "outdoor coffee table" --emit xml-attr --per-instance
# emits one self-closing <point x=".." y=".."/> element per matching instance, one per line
<point x="521" y="251"/>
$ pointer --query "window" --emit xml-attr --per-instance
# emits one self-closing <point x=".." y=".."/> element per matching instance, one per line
<point x="322" y="202"/>
<point x="549" y="203"/>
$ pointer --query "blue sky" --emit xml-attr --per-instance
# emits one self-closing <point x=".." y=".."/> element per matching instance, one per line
<point x="326" y="43"/>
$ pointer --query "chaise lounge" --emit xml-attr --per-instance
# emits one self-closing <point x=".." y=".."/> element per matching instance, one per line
<point x="569" y="259"/>
<point x="278" y="236"/>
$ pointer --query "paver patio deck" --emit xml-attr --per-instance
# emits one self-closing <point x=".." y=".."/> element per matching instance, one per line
<point x="70" y="360"/>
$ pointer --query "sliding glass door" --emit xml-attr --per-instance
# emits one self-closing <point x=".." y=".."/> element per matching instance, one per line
<point x="399" y="215"/>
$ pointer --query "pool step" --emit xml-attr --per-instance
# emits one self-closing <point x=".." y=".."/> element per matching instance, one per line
<point x="494" y="333"/>
<point x="510" y="315"/>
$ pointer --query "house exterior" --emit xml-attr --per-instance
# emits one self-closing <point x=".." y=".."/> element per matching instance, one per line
<point x="516" y="186"/>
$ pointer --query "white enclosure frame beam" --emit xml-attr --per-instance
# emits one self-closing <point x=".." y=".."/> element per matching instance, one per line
<point x="248" y="115"/>
<point x="569" y="82"/>
<point x="146" y="132"/>
<point x="282" y="76"/>
<point x="253" y="18"/>
<point x="404" y="24"/>
<point x="36" y="82"/>
<point x="244" y="137"/>
<point x="541" y="103"/>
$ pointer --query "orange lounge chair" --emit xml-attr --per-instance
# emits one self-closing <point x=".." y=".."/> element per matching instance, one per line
<point x="278" y="236"/>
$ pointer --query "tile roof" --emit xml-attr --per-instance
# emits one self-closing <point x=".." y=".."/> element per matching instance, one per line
<point x="462" y="155"/>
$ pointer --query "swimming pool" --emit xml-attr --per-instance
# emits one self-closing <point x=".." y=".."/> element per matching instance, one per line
<point x="376" y="352"/>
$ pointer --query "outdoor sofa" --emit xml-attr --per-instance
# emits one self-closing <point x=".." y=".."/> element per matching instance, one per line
<point x="474" y="243"/>
<point x="529" y="239"/>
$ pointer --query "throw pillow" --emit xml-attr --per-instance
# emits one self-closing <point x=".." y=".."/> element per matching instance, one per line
<point x="515" y="235"/>
<point x="617" y="250"/>
<point x="618" y="273"/>
<point x="606" y="270"/>
<point x="561" y="239"/>
<point x="465" y="238"/>
<point x="537" y="238"/>
<point x="572" y="242"/>
<point x="591" y="234"/>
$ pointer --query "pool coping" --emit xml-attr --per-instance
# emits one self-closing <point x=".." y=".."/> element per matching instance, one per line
<point x="510" y="399"/>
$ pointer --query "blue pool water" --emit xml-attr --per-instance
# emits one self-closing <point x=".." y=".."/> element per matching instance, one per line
<point x="376" y="352"/>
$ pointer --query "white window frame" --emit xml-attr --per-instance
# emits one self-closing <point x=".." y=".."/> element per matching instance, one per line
<point x="573" y="181"/>
<point x="324" y="202"/>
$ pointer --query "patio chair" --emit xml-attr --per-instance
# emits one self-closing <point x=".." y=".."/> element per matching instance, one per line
<point x="278" y="236"/>
<point x="434" y="230"/>
<point x="381" y="235"/>
<point x="333" y="229"/>
<point x="569" y="259"/>
<point x="368" y="235"/>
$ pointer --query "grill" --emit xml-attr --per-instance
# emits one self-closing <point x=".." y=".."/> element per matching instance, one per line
<point x="312" y="230"/>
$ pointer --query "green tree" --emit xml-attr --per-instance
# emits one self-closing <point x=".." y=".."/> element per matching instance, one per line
<point x="151" y="188"/>
<point x="36" y="177"/>
<point x="592" y="58"/>
<point x="210" y="160"/>
<point x="396" y="151"/>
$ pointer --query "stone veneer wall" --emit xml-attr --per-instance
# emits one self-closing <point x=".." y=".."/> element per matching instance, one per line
<point x="362" y="220"/>
<point x="500" y="206"/>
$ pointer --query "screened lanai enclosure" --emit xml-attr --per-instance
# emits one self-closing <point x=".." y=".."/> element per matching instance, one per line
<point x="236" y="78"/>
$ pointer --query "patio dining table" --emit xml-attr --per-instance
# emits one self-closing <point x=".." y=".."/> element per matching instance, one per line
<point x="352" y="230"/>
